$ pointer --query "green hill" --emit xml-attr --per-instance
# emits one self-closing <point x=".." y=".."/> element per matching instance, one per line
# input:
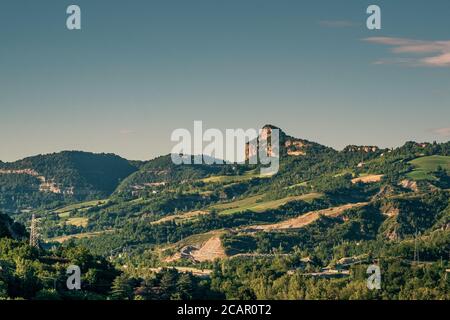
<point x="58" y="177"/>
<point x="162" y="170"/>
<point x="324" y="215"/>
<point x="425" y="166"/>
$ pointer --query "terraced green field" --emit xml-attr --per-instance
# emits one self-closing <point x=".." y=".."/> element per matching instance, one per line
<point x="242" y="204"/>
<point x="255" y="204"/>
<point x="425" y="166"/>
<point x="79" y="206"/>
<point x="236" y="178"/>
<point x="62" y="239"/>
<point x="78" y="222"/>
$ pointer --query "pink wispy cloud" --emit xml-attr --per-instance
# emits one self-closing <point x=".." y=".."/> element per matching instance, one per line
<point x="126" y="131"/>
<point x="443" y="132"/>
<point x="337" y="23"/>
<point x="432" y="53"/>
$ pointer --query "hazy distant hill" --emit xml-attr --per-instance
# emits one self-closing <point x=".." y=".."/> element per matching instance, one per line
<point x="162" y="170"/>
<point x="55" y="177"/>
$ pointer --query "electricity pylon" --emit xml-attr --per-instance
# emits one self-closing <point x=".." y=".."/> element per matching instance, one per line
<point x="34" y="235"/>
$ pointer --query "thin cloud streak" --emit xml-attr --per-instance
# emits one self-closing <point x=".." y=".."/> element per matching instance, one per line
<point x="126" y="131"/>
<point x="437" y="52"/>
<point x="443" y="132"/>
<point x="337" y="23"/>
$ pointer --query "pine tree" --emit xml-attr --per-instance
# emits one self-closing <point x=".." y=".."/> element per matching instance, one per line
<point x="121" y="288"/>
<point x="185" y="286"/>
<point x="168" y="282"/>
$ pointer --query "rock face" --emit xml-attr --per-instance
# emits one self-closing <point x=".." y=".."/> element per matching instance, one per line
<point x="209" y="251"/>
<point x="390" y="210"/>
<point x="288" y="146"/>
<point x="371" y="178"/>
<point x="365" y="149"/>
<point x="409" y="184"/>
<point x="251" y="149"/>
<point x="296" y="147"/>
<point x="29" y="172"/>
<point x="46" y="185"/>
<point x="307" y="218"/>
<point x="392" y="235"/>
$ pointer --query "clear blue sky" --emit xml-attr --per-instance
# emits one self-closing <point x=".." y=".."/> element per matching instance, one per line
<point x="140" y="69"/>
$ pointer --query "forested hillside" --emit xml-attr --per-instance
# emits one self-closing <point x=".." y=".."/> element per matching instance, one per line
<point x="164" y="231"/>
<point x="68" y="176"/>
